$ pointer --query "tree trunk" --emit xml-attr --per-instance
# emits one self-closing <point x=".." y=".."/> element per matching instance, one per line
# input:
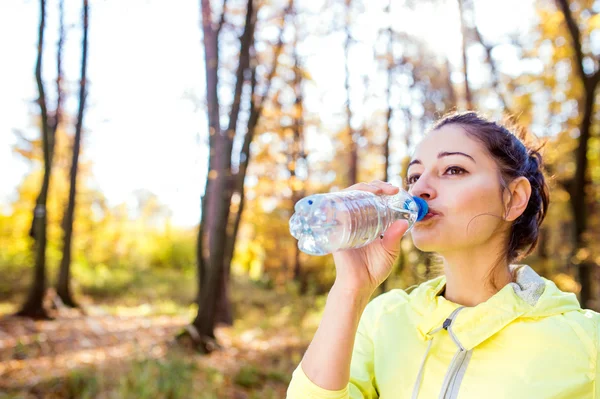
<point x="213" y="230"/>
<point x="577" y="187"/>
<point x="256" y="108"/>
<point x="298" y="153"/>
<point x="494" y="69"/>
<point x="33" y="306"/>
<point x="224" y="312"/>
<point x="464" y="31"/>
<point x="578" y="198"/>
<point x="389" y="113"/>
<point x="204" y="323"/>
<point x="63" y="288"/>
<point x="352" y="145"/>
<point x="451" y="92"/>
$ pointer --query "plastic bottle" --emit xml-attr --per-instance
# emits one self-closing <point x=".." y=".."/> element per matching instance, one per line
<point x="325" y="223"/>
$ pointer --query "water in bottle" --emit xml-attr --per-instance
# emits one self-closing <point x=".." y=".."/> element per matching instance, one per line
<point x="325" y="223"/>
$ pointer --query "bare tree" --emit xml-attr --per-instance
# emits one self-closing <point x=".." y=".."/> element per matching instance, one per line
<point x="464" y="31"/>
<point x="216" y="200"/>
<point x="257" y="103"/>
<point x="391" y="63"/>
<point x="352" y="144"/>
<point x="494" y="69"/>
<point x="577" y="186"/>
<point x="33" y="306"/>
<point x="298" y="151"/>
<point x="218" y="227"/>
<point x="63" y="288"/>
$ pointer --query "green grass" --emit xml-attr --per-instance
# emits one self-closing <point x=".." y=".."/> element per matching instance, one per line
<point x="171" y="378"/>
<point x="259" y="312"/>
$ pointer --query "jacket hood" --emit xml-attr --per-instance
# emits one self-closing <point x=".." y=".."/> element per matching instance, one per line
<point x="530" y="296"/>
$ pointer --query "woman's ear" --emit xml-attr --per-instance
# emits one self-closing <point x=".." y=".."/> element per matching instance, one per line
<point x="515" y="203"/>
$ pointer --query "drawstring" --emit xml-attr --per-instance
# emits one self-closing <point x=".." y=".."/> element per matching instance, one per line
<point x="447" y="326"/>
<point x="422" y="366"/>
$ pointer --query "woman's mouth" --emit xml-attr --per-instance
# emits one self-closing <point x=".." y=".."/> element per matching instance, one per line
<point x="431" y="214"/>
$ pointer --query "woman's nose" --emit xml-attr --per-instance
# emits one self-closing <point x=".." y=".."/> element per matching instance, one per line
<point x="423" y="188"/>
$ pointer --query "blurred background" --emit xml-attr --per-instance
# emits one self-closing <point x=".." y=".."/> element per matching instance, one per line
<point x="129" y="130"/>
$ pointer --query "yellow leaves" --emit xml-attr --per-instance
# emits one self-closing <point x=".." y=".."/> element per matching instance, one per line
<point x="563" y="52"/>
<point x="551" y="22"/>
<point x="566" y="283"/>
<point x="582" y="255"/>
<point x="255" y="271"/>
<point x="560" y="195"/>
<point x="594" y="22"/>
<point x="296" y="184"/>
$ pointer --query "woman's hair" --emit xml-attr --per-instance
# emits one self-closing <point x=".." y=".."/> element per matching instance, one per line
<point x="515" y="156"/>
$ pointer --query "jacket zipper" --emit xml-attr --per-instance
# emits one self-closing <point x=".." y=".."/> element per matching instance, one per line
<point x="449" y="388"/>
<point x="452" y="382"/>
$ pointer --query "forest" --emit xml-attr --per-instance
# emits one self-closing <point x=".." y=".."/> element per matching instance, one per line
<point x="119" y="299"/>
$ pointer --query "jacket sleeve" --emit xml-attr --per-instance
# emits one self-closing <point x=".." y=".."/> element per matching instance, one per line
<point x="597" y="381"/>
<point x="362" y="377"/>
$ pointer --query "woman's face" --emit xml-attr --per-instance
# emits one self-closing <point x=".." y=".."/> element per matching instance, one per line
<point x="460" y="182"/>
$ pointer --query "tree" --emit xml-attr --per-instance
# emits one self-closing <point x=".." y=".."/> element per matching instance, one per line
<point x="578" y="185"/>
<point x="257" y="104"/>
<point x="390" y="109"/>
<point x="297" y="153"/>
<point x="217" y="225"/>
<point x="464" y="31"/>
<point x="63" y="288"/>
<point x="351" y="133"/>
<point x="33" y="306"/>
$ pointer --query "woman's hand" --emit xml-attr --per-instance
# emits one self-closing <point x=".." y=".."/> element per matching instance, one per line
<point x="362" y="270"/>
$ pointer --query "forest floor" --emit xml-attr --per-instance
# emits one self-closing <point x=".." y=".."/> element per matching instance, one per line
<point x="112" y="351"/>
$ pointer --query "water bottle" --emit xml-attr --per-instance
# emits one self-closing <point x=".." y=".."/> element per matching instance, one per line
<point x="325" y="223"/>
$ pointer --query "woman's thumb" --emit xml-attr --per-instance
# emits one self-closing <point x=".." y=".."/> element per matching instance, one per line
<point x="393" y="235"/>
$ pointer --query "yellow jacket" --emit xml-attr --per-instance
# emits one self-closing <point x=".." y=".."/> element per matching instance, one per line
<point x="530" y="340"/>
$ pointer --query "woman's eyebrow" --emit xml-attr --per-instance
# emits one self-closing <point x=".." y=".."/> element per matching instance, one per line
<point x="441" y="155"/>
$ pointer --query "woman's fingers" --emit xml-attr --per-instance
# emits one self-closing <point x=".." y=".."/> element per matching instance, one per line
<point x="393" y="236"/>
<point x="375" y="187"/>
<point x="387" y="188"/>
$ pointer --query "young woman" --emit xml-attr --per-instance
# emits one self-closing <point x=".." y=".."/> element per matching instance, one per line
<point x="486" y="328"/>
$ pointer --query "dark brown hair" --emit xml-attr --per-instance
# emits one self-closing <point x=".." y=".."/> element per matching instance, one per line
<point x="510" y="146"/>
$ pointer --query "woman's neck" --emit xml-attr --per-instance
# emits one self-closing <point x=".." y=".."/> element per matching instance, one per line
<point x="469" y="278"/>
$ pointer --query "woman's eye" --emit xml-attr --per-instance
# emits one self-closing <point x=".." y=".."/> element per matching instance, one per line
<point x="412" y="179"/>
<point x="455" y="170"/>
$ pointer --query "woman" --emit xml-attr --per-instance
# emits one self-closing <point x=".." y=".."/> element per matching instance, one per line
<point x="486" y="328"/>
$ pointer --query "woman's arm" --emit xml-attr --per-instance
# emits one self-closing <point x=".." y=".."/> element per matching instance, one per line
<point x="327" y="359"/>
<point x="359" y="271"/>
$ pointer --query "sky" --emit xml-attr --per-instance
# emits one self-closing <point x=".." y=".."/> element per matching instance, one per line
<point x="145" y="127"/>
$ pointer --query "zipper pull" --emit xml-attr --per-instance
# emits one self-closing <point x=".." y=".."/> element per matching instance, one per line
<point x="447" y="323"/>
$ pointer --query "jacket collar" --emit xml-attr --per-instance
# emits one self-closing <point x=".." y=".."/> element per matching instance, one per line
<point x="473" y="325"/>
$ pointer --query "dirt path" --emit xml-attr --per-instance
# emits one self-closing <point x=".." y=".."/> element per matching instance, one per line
<point x="32" y="352"/>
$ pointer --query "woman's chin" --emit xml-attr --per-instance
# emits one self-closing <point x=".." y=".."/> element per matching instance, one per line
<point x="427" y="243"/>
<point x="426" y="248"/>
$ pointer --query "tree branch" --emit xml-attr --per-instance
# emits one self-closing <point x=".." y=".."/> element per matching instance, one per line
<point x="246" y="41"/>
<point x="595" y="78"/>
<point x="59" y="72"/>
<point x="575" y="37"/>
<point x="278" y="49"/>
<point x="492" y="63"/>
<point x="222" y="20"/>
<point x="257" y="103"/>
<point x="465" y="61"/>
<point x="211" y="49"/>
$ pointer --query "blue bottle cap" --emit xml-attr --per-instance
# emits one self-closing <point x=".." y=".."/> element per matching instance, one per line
<point x="423" y="207"/>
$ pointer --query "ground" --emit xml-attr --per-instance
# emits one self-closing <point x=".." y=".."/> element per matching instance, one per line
<point x="120" y="352"/>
